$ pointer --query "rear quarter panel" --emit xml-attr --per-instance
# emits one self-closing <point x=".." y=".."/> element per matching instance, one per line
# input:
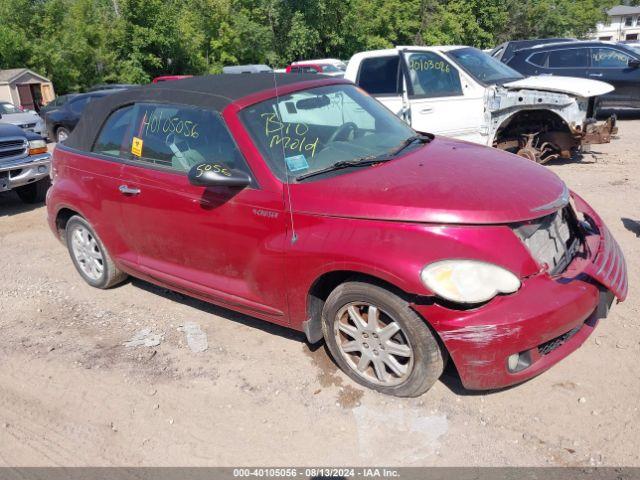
<point x="89" y="186"/>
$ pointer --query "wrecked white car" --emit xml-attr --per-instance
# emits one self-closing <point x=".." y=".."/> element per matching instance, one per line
<point x="464" y="93"/>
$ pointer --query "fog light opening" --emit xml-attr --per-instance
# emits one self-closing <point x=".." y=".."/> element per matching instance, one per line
<point x="518" y="361"/>
<point x="42" y="169"/>
<point x="513" y="360"/>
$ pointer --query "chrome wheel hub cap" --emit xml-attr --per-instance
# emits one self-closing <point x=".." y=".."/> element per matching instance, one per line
<point x="62" y="136"/>
<point x="87" y="253"/>
<point x="373" y="344"/>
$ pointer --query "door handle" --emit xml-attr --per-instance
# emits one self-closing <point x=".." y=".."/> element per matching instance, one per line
<point x="595" y="74"/>
<point x="128" y="190"/>
<point x="426" y="110"/>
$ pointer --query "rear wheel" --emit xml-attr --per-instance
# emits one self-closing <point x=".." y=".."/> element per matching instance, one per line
<point x="89" y="256"/>
<point x="35" y="192"/>
<point x="379" y="341"/>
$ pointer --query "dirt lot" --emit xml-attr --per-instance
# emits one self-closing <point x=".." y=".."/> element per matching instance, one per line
<point x="72" y="394"/>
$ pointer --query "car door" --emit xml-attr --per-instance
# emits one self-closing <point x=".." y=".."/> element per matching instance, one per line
<point x="223" y="244"/>
<point x="611" y="65"/>
<point x="98" y="175"/>
<point x="380" y="76"/>
<point x="564" y="62"/>
<point x="441" y="101"/>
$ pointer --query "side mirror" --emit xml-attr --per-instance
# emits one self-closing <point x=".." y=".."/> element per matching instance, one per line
<point x="217" y="174"/>
<point x="633" y="63"/>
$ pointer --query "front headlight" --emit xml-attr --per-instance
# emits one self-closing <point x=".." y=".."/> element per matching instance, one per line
<point x="37" y="146"/>
<point x="468" y="281"/>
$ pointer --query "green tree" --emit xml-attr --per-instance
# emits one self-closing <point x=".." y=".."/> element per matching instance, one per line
<point x="79" y="43"/>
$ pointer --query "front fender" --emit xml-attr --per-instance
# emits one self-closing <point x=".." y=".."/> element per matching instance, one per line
<point x="394" y="252"/>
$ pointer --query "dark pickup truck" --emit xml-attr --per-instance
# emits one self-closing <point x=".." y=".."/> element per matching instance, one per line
<point x="24" y="163"/>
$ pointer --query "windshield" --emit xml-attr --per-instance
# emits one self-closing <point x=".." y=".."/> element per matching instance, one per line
<point x="8" y="108"/>
<point x="330" y="68"/>
<point x="633" y="48"/>
<point x="484" y="68"/>
<point x="313" y="129"/>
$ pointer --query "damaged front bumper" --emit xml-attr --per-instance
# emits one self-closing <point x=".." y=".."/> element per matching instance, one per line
<point x="516" y="337"/>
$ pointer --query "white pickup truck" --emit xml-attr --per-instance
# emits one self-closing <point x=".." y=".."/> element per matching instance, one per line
<point x="464" y="93"/>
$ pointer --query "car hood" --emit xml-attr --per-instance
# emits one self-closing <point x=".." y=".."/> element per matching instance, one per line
<point x="20" y="118"/>
<point x="446" y="181"/>
<point x="10" y="130"/>
<point x="580" y="87"/>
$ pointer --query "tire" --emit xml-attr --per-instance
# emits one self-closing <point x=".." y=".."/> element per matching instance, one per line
<point x="419" y="360"/>
<point x="90" y="257"/>
<point x="61" y="134"/>
<point x="34" y="192"/>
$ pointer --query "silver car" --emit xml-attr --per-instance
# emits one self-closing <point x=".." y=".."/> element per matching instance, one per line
<point x="26" y="119"/>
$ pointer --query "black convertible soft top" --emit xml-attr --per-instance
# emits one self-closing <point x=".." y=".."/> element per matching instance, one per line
<point x="210" y="91"/>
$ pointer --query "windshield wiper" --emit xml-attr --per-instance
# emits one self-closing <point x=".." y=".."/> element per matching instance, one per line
<point x="423" y="138"/>
<point x="359" y="162"/>
<point x="367" y="161"/>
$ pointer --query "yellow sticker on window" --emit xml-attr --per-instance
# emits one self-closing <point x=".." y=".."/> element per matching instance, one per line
<point x="136" y="146"/>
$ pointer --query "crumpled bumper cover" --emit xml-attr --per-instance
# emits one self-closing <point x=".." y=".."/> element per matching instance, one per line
<point x="546" y="320"/>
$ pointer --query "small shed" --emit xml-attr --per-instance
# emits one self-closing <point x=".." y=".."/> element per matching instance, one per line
<point x="22" y="86"/>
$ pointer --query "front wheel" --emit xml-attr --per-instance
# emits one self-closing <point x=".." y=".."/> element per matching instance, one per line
<point x="379" y="341"/>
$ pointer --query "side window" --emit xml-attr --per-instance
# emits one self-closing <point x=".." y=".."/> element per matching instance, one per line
<point x="432" y="76"/>
<point x="380" y="75"/>
<point x="178" y="137"/>
<point x="569" y="58"/>
<point x="539" y="59"/>
<point x="608" y="58"/>
<point x="304" y="69"/>
<point x="115" y="134"/>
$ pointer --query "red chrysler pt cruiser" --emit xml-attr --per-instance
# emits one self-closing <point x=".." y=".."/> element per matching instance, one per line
<point x="303" y="201"/>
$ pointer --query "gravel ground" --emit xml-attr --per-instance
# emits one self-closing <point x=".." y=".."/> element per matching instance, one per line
<point x="72" y="394"/>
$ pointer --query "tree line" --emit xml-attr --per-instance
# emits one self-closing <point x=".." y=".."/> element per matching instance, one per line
<point x="80" y="43"/>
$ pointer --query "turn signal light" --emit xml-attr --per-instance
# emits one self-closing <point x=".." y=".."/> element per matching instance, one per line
<point x="37" y="147"/>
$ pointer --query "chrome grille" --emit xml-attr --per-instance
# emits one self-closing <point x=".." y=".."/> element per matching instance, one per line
<point x="12" y="148"/>
<point x="551" y="240"/>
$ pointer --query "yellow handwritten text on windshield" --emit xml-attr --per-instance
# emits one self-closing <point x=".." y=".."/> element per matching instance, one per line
<point x="292" y="136"/>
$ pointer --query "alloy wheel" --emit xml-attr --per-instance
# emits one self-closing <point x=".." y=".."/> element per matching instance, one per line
<point x="87" y="253"/>
<point x="373" y="344"/>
